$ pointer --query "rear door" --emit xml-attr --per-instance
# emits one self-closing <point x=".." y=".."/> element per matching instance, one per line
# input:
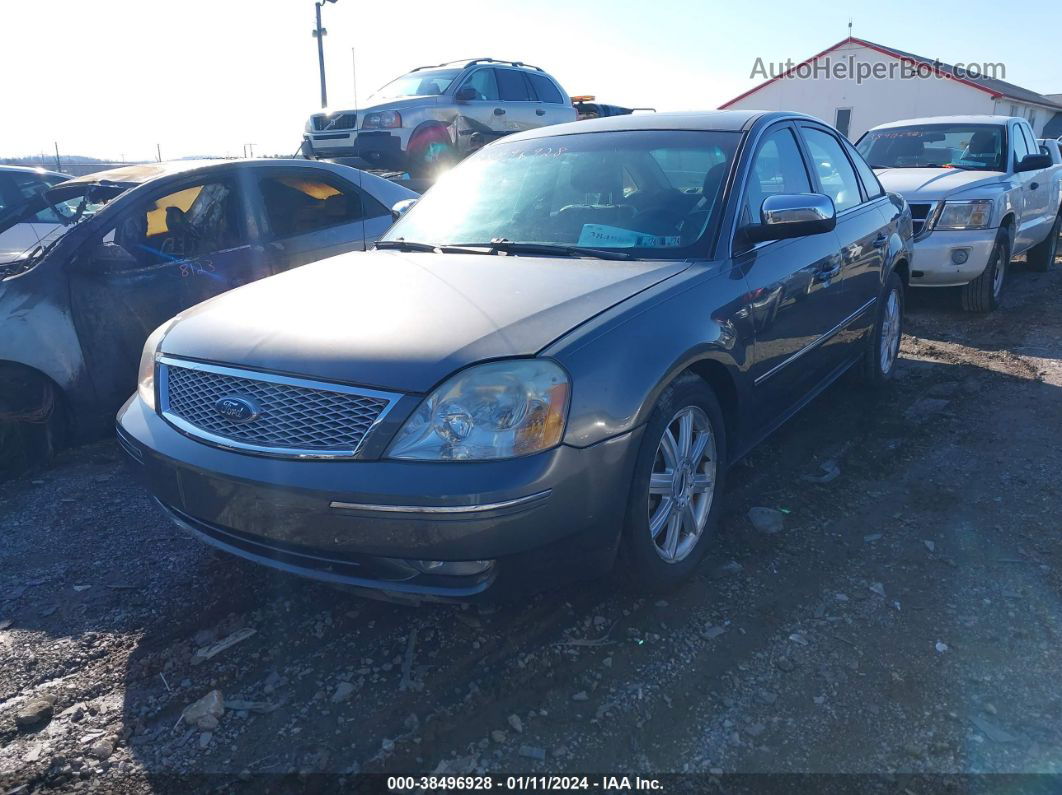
<point x="307" y="214"/>
<point x="518" y="104"/>
<point x="795" y="297"/>
<point x="861" y="227"/>
<point x="550" y="106"/>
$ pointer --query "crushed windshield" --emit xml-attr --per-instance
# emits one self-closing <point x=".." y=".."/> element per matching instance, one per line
<point x="427" y="82"/>
<point x="651" y="193"/>
<point x="968" y="146"/>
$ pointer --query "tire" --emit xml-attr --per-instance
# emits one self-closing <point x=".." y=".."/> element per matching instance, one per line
<point x="431" y="159"/>
<point x="30" y="433"/>
<point x="1042" y="256"/>
<point x="883" y="342"/>
<point x="984" y="292"/>
<point x="661" y="561"/>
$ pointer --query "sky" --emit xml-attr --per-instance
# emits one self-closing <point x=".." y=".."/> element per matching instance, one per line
<point x="115" y="78"/>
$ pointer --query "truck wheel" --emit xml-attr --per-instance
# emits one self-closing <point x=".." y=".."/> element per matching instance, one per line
<point x="676" y="491"/>
<point x="883" y="343"/>
<point x="1042" y="256"/>
<point x="983" y="293"/>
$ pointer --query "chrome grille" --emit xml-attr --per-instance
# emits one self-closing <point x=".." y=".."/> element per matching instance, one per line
<point x="339" y="121"/>
<point x="292" y="417"/>
<point x="923" y="214"/>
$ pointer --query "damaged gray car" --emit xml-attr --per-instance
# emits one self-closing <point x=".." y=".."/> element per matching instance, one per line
<point x="133" y="247"/>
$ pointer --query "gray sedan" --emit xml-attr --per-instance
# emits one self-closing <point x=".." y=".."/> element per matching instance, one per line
<point x="547" y="366"/>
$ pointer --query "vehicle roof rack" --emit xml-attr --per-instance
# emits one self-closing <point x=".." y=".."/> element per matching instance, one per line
<point x="473" y="61"/>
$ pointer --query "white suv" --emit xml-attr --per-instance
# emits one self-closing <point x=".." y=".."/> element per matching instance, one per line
<point x="435" y="115"/>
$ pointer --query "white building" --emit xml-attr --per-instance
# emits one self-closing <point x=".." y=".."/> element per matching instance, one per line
<point x="856" y="85"/>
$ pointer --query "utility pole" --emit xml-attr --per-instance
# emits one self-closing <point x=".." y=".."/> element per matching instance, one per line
<point x="319" y="34"/>
<point x="58" y="162"/>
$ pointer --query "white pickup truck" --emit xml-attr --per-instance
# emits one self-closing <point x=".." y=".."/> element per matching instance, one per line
<point x="981" y="191"/>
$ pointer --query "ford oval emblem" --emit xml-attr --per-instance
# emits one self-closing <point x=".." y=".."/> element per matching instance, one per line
<point x="236" y="409"/>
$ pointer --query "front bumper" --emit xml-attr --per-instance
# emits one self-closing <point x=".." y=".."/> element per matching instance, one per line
<point x="539" y="520"/>
<point x="933" y="265"/>
<point x="381" y="148"/>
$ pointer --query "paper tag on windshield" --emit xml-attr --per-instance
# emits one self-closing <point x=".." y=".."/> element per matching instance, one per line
<point x="602" y="236"/>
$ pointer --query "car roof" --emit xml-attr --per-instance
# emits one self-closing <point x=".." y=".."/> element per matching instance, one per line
<point x="139" y="173"/>
<point x="33" y="170"/>
<point x="969" y="119"/>
<point x="714" y="120"/>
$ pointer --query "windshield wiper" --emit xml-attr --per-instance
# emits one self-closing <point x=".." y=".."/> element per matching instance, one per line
<point x="513" y="247"/>
<point x="405" y="245"/>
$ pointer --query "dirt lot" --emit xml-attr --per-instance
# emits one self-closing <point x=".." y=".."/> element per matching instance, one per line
<point x="907" y="618"/>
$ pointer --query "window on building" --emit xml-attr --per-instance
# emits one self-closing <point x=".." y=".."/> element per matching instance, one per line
<point x="843" y="121"/>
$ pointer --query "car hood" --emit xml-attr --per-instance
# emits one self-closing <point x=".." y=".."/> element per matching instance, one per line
<point x="916" y="184"/>
<point x="405" y="321"/>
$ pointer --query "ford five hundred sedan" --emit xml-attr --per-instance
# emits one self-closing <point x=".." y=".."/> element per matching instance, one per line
<point x="546" y="366"/>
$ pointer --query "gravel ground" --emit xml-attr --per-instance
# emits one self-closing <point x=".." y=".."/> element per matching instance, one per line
<point x="905" y="618"/>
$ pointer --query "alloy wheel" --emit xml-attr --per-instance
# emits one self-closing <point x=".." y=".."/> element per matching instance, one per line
<point x="998" y="275"/>
<point x="682" y="484"/>
<point x="890" y="332"/>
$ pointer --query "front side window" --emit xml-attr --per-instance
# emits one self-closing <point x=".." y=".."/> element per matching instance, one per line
<point x="187" y="223"/>
<point x="979" y="147"/>
<point x="300" y="204"/>
<point x="484" y="84"/>
<point x="651" y="192"/>
<point x="777" y="168"/>
<point x="426" y="82"/>
<point x="837" y="178"/>
<point x="866" y="174"/>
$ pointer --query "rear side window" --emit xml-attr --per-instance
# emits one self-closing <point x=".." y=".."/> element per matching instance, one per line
<point x="547" y="92"/>
<point x="777" y="168"/>
<point x="512" y="86"/>
<point x="296" y="204"/>
<point x="836" y="176"/>
<point x="866" y="173"/>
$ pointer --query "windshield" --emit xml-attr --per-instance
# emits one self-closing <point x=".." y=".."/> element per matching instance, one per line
<point x="980" y="147"/>
<point x="651" y="193"/>
<point x="426" y="82"/>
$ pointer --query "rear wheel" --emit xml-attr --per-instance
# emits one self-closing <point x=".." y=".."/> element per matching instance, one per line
<point x="1042" y="256"/>
<point x="883" y="344"/>
<point x="984" y="292"/>
<point x="674" y="500"/>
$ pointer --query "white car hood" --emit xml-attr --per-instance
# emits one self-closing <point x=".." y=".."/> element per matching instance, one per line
<point x="932" y="184"/>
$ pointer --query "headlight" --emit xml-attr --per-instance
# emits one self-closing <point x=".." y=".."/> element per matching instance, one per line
<point x="495" y="410"/>
<point x="965" y="215"/>
<point x="145" y="379"/>
<point x="384" y="119"/>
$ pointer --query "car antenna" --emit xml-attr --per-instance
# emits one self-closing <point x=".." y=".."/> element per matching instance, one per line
<point x="357" y="147"/>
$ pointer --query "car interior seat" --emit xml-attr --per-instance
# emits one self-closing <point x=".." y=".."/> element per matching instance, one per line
<point x="600" y="181"/>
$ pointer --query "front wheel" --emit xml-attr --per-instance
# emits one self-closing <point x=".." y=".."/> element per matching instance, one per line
<point x="674" y="500"/>
<point x="883" y="344"/>
<point x="984" y="292"/>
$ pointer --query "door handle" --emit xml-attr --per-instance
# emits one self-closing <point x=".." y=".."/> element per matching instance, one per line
<point x="881" y="240"/>
<point x="1034" y="185"/>
<point x="540" y="112"/>
<point x="828" y="271"/>
<point x="499" y="111"/>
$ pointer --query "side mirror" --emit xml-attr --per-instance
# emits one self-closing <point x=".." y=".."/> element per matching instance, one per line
<point x="111" y="257"/>
<point x="1033" y="163"/>
<point x="786" y="215"/>
<point x="466" y="94"/>
<point x="398" y="209"/>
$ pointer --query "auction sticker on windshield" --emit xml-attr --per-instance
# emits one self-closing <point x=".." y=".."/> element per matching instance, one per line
<point x="616" y="237"/>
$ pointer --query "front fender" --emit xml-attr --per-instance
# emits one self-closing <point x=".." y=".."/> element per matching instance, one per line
<point x="621" y="361"/>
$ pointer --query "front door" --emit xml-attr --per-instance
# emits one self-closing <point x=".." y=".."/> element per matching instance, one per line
<point x="163" y="255"/>
<point x="309" y="214"/>
<point x="796" y="296"/>
<point x="482" y="118"/>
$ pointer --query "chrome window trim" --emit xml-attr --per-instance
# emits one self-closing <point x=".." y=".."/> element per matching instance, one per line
<point x="164" y="362"/>
<point x="817" y="341"/>
<point x="440" y="509"/>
